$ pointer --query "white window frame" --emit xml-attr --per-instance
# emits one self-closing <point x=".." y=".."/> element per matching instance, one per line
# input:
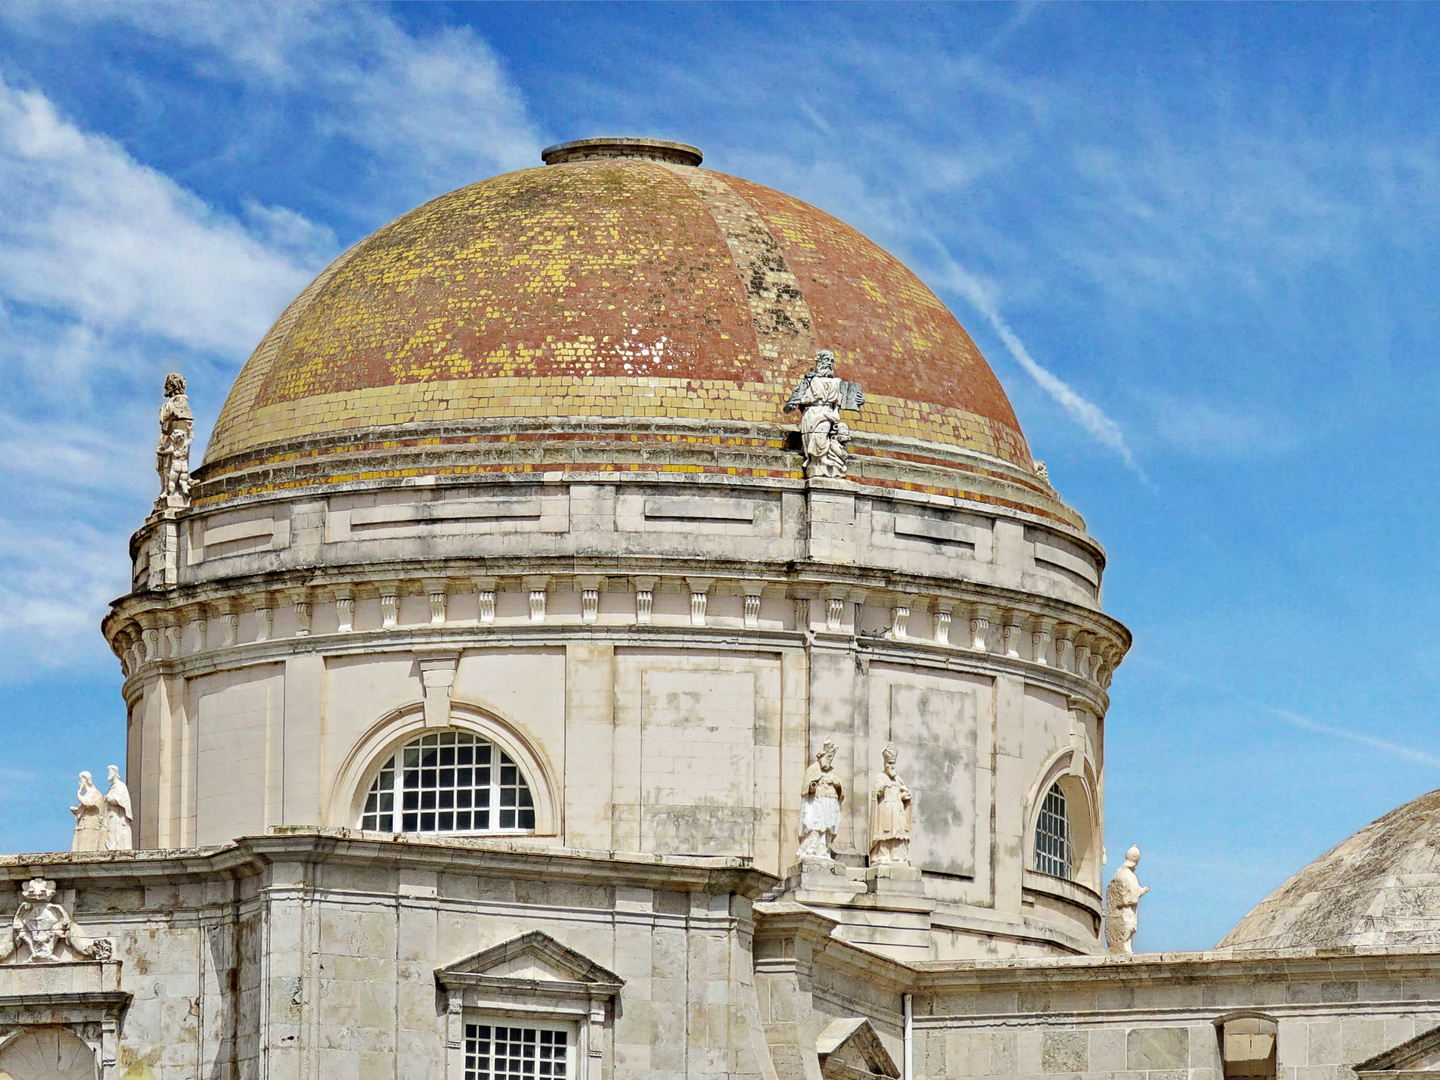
<point x="1068" y="838"/>
<point x="574" y="1034"/>
<point x="395" y="763"/>
<point x="392" y="731"/>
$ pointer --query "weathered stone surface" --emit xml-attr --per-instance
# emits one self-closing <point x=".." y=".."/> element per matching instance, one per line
<point x="1381" y="887"/>
<point x="1157" y="1048"/>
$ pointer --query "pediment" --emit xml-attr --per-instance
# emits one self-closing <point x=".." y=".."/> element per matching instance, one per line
<point x="1418" y="1058"/>
<point x="534" y="957"/>
<point x="849" y="1048"/>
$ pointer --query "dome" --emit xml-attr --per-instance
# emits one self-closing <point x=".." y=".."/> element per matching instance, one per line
<point x="1381" y="887"/>
<point x="618" y="281"/>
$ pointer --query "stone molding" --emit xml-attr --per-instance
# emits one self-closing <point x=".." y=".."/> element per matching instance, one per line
<point x="770" y="461"/>
<point x="135" y="634"/>
<point x="308" y="845"/>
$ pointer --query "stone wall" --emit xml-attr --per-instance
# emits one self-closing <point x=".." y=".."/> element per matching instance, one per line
<point x="308" y="955"/>
<point x="1157" y="1017"/>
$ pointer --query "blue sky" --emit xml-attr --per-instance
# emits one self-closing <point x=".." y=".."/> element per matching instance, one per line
<point x="1198" y="243"/>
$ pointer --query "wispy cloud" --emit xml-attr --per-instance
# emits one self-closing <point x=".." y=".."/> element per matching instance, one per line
<point x="1207" y="429"/>
<point x="1093" y="419"/>
<point x="117" y="246"/>
<point x="1409" y="753"/>
<point x="430" y="109"/>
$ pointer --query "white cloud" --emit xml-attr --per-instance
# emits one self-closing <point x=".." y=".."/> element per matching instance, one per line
<point x="434" y="109"/>
<point x="93" y="233"/>
<point x="1409" y="753"/>
<point x="1205" y="429"/>
<point x="110" y="272"/>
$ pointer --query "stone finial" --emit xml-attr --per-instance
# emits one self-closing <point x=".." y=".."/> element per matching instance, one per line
<point x="1042" y="472"/>
<point x="1122" y="905"/>
<point x="891" y="812"/>
<point x="824" y="436"/>
<point x="44" y="930"/>
<point x="172" y="456"/>
<point x="820" y="801"/>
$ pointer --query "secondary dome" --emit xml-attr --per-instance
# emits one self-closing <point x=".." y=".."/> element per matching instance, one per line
<point x="1380" y="887"/>
<point x="620" y="281"/>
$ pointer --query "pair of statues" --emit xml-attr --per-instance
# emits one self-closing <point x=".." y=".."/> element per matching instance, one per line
<point x="103" y="821"/>
<point x="891" y="810"/>
<point x="891" y="822"/>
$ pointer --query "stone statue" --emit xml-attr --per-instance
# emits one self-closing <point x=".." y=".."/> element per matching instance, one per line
<point x="89" y="817"/>
<point x="1122" y="905"/>
<point x="119" y="818"/>
<point x="820" y="805"/>
<point x="890" y="815"/>
<point x="42" y="927"/>
<point x="1042" y="472"/>
<point x="172" y="456"/>
<point x="824" y="436"/>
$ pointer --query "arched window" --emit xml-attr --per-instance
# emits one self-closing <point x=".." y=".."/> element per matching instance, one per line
<point x="50" y="1052"/>
<point x="449" y="782"/>
<point x="1053" y="853"/>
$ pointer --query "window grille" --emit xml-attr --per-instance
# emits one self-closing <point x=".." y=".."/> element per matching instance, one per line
<point x="449" y="782"/>
<point x="515" y="1053"/>
<point x="1052" y="836"/>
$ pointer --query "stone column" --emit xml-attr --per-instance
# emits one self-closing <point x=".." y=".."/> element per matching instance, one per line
<point x="586" y="783"/>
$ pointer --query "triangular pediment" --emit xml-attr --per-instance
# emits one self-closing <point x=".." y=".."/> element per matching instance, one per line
<point x="1418" y="1057"/>
<point x="849" y="1048"/>
<point x="532" y="957"/>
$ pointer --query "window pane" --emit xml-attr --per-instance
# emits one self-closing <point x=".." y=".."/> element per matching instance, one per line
<point x="1052" y="836"/>
<point x="514" y="1053"/>
<point x="448" y="782"/>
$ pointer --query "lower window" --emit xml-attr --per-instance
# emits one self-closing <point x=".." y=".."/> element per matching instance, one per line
<point x="493" y="1052"/>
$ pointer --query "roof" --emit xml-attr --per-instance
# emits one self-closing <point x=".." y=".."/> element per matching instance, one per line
<point x="1381" y="887"/>
<point x="626" y="286"/>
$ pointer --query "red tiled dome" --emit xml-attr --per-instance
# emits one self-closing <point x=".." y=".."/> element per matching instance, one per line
<point x="612" y="286"/>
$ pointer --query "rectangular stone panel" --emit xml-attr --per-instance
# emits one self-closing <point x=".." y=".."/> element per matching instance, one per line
<point x="233" y="729"/>
<point x="924" y="528"/>
<point x="719" y="514"/>
<point x="385" y="517"/>
<point x="218" y="536"/>
<point x="935" y="731"/>
<point x="1053" y="552"/>
<point x="697" y="774"/>
<point x="1157" y="1048"/>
